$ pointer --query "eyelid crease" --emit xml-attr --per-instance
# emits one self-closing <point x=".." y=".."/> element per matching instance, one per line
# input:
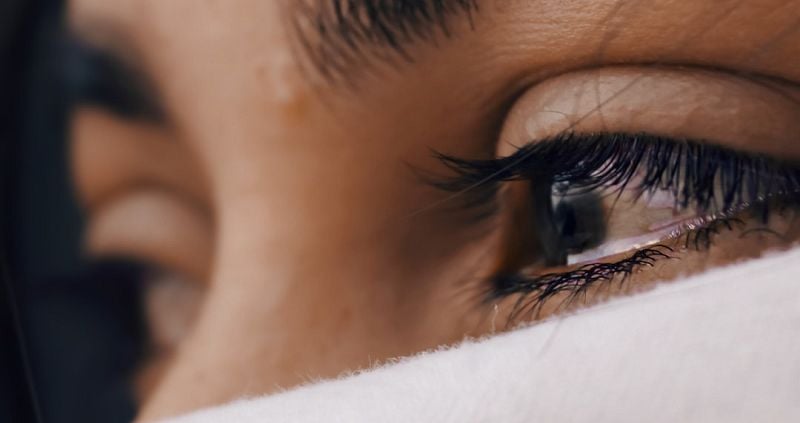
<point x="104" y="77"/>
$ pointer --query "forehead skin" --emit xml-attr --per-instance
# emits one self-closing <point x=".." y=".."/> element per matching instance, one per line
<point x="309" y="180"/>
<point x="219" y="65"/>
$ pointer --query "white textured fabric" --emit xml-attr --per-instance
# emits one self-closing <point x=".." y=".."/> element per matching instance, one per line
<point x="719" y="347"/>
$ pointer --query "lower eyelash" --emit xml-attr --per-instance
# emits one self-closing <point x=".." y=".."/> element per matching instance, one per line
<point x="702" y="238"/>
<point x="711" y="180"/>
<point x="535" y="291"/>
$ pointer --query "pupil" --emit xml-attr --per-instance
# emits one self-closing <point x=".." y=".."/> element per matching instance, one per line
<point x="580" y="221"/>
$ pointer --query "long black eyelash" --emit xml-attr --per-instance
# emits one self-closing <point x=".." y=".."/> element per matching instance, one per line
<point x="715" y="180"/>
<point x="711" y="178"/>
<point x="338" y="33"/>
<point x="537" y="290"/>
<point x="702" y="238"/>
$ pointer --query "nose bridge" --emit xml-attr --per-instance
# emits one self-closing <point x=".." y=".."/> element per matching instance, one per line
<point x="297" y="316"/>
<point x="299" y="286"/>
<point x="296" y="264"/>
<point x="301" y="269"/>
<point x="260" y="332"/>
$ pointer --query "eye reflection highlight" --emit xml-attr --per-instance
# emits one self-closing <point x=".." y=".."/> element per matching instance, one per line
<point x="610" y="206"/>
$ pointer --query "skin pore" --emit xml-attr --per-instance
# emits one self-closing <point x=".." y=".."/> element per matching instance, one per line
<point x="282" y="198"/>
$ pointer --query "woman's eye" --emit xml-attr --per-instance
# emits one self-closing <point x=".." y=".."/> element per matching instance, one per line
<point x="611" y="207"/>
<point x="580" y="222"/>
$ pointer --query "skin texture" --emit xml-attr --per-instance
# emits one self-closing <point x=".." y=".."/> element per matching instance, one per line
<point x="291" y="203"/>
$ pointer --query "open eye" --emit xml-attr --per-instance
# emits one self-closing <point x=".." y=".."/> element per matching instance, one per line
<point x="607" y="206"/>
<point x="629" y="191"/>
<point x="580" y="221"/>
<point x="143" y="192"/>
<point x="612" y="210"/>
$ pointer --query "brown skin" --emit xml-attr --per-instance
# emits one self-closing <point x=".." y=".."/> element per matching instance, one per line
<point x="291" y="201"/>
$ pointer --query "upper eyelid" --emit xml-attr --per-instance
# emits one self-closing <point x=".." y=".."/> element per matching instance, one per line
<point x="481" y="178"/>
<point x="107" y="78"/>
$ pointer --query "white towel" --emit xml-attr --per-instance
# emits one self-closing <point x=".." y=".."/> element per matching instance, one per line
<point x="723" y="346"/>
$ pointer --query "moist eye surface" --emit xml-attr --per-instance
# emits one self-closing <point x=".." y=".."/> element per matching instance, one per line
<point x="608" y="205"/>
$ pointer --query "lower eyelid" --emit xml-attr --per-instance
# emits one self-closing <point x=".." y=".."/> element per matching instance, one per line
<point x="536" y="291"/>
<point x="616" y="247"/>
<point x="535" y="288"/>
<point x="658" y="232"/>
<point x="663" y="234"/>
<point x="156" y="226"/>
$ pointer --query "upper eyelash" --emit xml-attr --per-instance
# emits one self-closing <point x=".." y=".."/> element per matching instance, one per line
<point x="716" y="180"/>
<point x="697" y="174"/>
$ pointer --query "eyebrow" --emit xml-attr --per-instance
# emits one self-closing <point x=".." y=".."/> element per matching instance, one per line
<point x="337" y="35"/>
<point x="107" y="77"/>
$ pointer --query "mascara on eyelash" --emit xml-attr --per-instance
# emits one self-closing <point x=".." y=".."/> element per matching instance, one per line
<point x="711" y="178"/>
<point x="714" y="180"/>
<point x="535" y="290"/>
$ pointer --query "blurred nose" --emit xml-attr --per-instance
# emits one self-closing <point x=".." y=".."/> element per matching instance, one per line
<point x="299" y="286"/>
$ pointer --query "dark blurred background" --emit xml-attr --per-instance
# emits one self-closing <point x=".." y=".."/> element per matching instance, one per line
<point x="69" y="329"/>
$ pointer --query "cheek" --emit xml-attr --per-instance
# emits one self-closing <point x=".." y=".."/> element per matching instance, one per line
<point x="147" y="201"/>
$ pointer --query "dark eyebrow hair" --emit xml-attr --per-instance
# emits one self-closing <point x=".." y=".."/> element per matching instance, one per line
<point x="337" y="35"/>
<point x="107" y="77"/>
